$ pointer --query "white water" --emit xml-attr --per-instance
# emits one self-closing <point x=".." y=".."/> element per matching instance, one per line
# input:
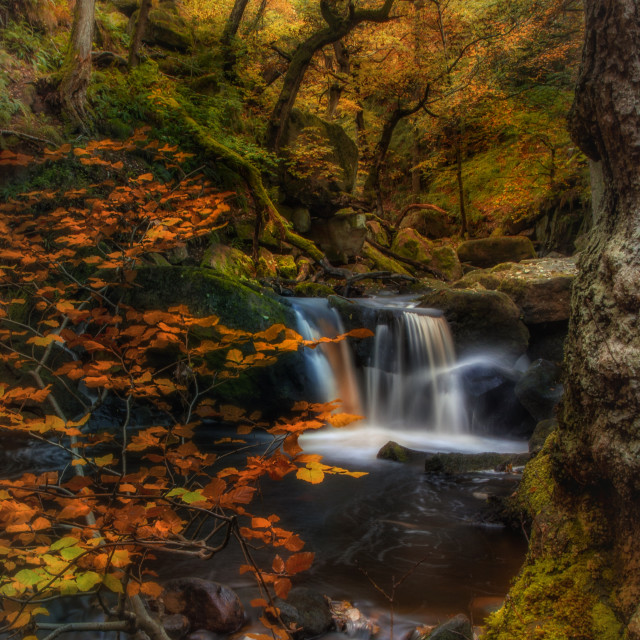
<point x="410" y="391"/>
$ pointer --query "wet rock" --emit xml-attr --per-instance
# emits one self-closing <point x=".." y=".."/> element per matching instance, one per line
<point x="458" y="628"/>
<point x="455" y="463"/>
<point x="176" y="625"/>
<point x="398" y="453"/>
<point x="540" y="434"/>
<point x="207" y="605"/>
<point x="408" y="243"/>
<point x="539" y="390"/>
<point x="487" y="252"/>
<point x="307" y="611"/>
<point x="228" y="261"/>
<point x="481" y="321"/>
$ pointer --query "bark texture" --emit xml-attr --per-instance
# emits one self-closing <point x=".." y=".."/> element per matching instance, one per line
<point x="76" y="72"/>
<point x="230" y="30"/>
<point x="586" y="512"/>
<point x="138" y="34"/>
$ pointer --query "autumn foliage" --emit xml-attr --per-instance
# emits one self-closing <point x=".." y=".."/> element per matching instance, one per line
<point x="70" y="345"/>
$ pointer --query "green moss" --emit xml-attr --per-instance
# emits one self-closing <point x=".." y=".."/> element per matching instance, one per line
<point x="313" y="290"/>
<point x="562" y="592"/>
<point x="287" y="267"/>
<point x="382" y="262"/>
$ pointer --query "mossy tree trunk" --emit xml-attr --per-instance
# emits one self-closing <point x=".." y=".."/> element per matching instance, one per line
<point x="595" y="454"/>
<point x="340" y="21"/>
<point x="228" y="35"/>
<point x="76" y="71"/>
<point x="138" y="34"/>
<point x="600" y="421"/>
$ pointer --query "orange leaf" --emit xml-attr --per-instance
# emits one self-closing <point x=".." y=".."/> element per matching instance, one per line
<point x="300" y="562"/>
<point x="282" y="587"/>
<point x="278" y="565"/>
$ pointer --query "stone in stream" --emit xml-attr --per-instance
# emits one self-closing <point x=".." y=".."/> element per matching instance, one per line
<point x="398" y="453"/>
<point x="307" y="611"/>
<point x="454" y="463"/>
<point x="458" y="628"/>
<point x="207" y="605"/>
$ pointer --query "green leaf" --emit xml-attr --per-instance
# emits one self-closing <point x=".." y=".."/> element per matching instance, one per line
<point x="28" y="577"/>
<point x="71" y="553"/>
<point x="67" y="541"/>
<point x="192" y="496"/>
<point x="86" y="581"/>
<point x="112" y="583"/>
<point x="178" y="491"/>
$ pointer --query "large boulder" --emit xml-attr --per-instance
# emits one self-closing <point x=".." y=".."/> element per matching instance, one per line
<point x="408" y="243"/>
<point x="539" y="390"/>
<point x="166" y="28"/>
<point x="207" y="605"/>
<point x="228" y="261"/>
<point x="323" y="162"/>
<point x="428" y="223"/>
<point x="488" y="252"/>
<point x="456" y="463"/>
<point x="342" y="236"/>
<point x="481" y="321"/>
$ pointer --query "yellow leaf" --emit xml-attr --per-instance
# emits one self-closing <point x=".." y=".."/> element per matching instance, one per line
<point x="310" y="474"/>
<point x="104" y="460"/>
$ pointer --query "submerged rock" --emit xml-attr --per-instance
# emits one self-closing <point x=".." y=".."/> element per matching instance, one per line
<point x="458" y="628"/>
<point x="207" y="605"/>
<point x="539" y="390"/>
<point x="454" y="463"/>
<point x="306" y="610"/>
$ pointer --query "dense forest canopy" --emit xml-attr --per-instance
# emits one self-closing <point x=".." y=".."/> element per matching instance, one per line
<point x="167" y="166"/>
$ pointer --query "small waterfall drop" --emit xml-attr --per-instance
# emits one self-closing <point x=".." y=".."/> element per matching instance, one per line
<point x="411" y="382"/>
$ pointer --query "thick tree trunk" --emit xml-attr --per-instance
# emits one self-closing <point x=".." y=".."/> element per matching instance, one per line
<point x="338" y="26"/>
<point x="600" y="434"/>
<point x="587" y="519"/>
<point x="138" y="34"/>
<point x="337" y="86"/>
<point x="463" y="211"/>
<point x="76" y="73"/>
<point x="230" y="30"/>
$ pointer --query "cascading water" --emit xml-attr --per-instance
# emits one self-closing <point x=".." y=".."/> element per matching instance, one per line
<point x="411" y="382"/>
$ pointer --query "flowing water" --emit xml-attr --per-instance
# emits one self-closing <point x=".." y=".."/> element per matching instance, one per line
<point x="395" y="523"/>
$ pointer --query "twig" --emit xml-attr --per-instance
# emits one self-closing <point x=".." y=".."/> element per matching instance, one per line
<point x="26" y="136"/>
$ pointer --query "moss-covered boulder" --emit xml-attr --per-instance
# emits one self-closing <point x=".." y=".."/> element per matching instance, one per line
<point x="313" y="290"/>
<point x="481" y="321"/>
<point x="228" y="261"/>
<point x="487" y="252"/>
<point x="379" y="261"/>
<point x="399" y="453"/>
<point x="408" y="243"/>
<point x="342" y="236"/>
<point x="287" y="267"/>
<point x="206" y="292"/>
<point x="267" y="264"/>
<point x="166" y="28"/>
<point x="322" y="160"/>
<point x="376" y="232"/>
<point x="458" y="628"/>
<point x="428" y="223"/>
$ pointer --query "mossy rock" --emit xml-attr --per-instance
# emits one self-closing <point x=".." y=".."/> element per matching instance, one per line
<point x="445" y="260"/>
<point x="456" y="463"/>
<point x="341" y="236"/>
<point x="479" y="277"/>
<point x="287" y="267"/>
<point x="481" y="321"/>
<point x="429" y="224"/>
<point x="267" y="264"/>
<point x="540" y="434"/>
<point x="166" y="28"/>
<point x="398" y="453"/>
<point x="376" y="232"/>
<point x="313" y="290"/>
<point x="228" y="261"/>
<point x="408" y="243"/>
<point x="322" y="185"/>
<point x="381" y="262"/>
<point x="487" y="252"/>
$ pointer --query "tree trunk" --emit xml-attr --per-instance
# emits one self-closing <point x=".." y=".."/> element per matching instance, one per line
<point x="138" y="34"/>
<point x="463" y="212"/>
<point x="601" y="418"/>
<point x="337" y="86"/>
<point x="230" y="30"/>
<point x="338" y="26"/>
<point x="595" y="479"/>
<point x="76" y="72"/>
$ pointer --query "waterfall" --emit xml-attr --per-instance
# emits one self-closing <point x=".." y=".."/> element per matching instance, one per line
<point x="411" y="382"/>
